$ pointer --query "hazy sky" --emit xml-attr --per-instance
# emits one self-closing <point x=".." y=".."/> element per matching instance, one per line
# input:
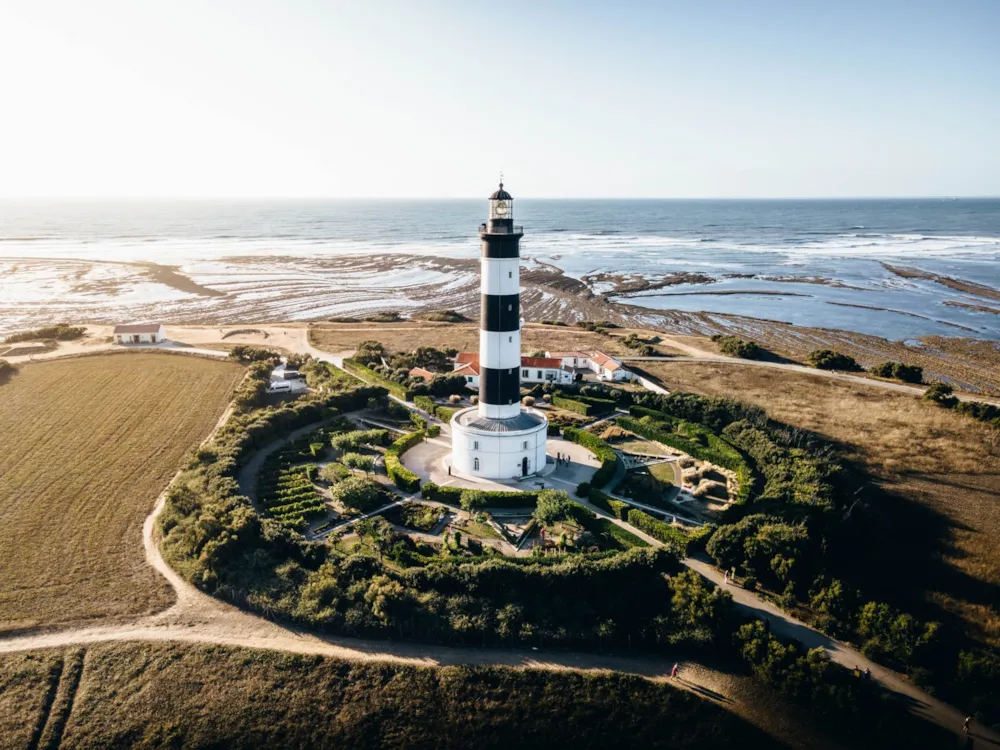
<point x="430" y="98"/>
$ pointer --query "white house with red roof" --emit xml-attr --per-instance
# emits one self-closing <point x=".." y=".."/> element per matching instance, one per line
<point x="138" y="333"/>
<point x="604" y="365"/>
<point x="533" y="370"/>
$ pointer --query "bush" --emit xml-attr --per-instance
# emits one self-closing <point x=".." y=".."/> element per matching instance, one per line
<point x="247" y="354"/>
<point x="583" y="490"/>
<point x="358" y="493"/>
<point x="604" y="452"/>
<point x="941" y="394"/>
<point x="333" y="473"/>
<point x="358" y="461"/>
<point x="369" y="375"/>
<point x="673" y="537"/>
<point x="828" y="359"/>
<point x="899" y="371"/>
<point x="7" y="370"/>
<point x="350" y="441"/>
<point x="402" y="477"/>
<point x="606" y="531"/>
<point x="528" y="400"/>
<point x="571" y="405"/>
<point x="553" y="506"/>
<point x="737" y="347"/>
<point x="433" y="431"/>
<point x="425" y="403"/>
<point x="456" y="496"/>
<point x="59" y="332"/>
<point x="454" y="399"/>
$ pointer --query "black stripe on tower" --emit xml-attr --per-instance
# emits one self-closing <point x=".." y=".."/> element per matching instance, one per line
<point x="501" y="246"/>
<point x="500" y="312"/>
<point x="499" y="387"/>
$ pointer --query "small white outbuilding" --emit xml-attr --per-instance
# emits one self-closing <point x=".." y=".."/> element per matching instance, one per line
<point x="138" y="333"/>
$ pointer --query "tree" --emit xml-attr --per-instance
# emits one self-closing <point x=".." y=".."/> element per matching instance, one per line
<point x="247" y="354"/>
<point x="333" y="473"/>
<point x="7" y="371"/>
<point x="369" y="352"/>
<point x="377" y="532"/>
<point x="553" y="506"/>
<point x="358" y="493"/>
<point x="358" y="461"/>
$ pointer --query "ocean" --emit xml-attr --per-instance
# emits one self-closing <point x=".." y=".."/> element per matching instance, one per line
<point x="894" y="268"/>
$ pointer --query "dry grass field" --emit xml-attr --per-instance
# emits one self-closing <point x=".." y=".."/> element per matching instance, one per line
<point x="173" y="695"/>
<point x="88" y="444"/>
<point x="947" y="463"/>
<point x="408" y="335"/>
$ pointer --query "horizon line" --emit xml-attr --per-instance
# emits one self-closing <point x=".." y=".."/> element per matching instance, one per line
<point x="207" y="198"/>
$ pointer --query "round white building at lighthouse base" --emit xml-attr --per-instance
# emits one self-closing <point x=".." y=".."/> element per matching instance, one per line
<point x="498" y="448"/>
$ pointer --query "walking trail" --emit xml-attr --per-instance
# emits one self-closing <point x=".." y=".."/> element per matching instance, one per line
<point x="196" y="617"/>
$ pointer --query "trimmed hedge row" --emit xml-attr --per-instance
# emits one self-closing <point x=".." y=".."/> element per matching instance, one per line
<point x="605" y="502"/>
<point x="497" y="498"/>
<point x="402" y="477"/>
<point x="597" y="406"/>
<point x="715" y="450"/>
<point x="674" y="538"/>
<point x="600" y="526"/>
<point x="604" y="452"/>
<point x="444" y="413"/>
<point x="571" y="405"/>
<point x="369" y="375"/>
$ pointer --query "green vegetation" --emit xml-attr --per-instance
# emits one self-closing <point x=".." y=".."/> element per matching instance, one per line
<point x="402" y="477"/>
<point x="444" y="413"/>
<point x="417" y="516"/>
<point x="606" y="533"/>
<point x="474" y="499"/>
<point x="604" y="452"/>
<point x="828" y="359"/>
<point x="285" y="486"/>
<point x="737" y="347"/>
<point x="248" y="354"/>
<point x="350" y="441"/>
<point x="641" y="347"/>
<point x="694" y="439"/>
<point x="359" y="462"/>
<point x="670" y="535"/>
<point x="445" y="316"/>
<point x="553" y="506"/>
<point x="943" y="395"/>
<point x="359" y="494"/>
<point x="371" y="376"/>
<point x="899" y="371"/>
<point x="58" y="332"/>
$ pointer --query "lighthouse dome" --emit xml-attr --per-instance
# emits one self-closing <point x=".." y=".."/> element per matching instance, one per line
<point x="501" y="195"/>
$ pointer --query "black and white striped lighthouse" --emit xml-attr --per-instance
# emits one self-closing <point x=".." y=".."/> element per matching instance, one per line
<point x="500" y="318"/>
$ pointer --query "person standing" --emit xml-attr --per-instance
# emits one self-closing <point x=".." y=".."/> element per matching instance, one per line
<point x="673" y="672"/>
<point x="967" y="724"/>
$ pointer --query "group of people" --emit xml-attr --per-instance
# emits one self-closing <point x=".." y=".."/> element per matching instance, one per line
<point x="561" y="460"/>
<point x="866" y="673"/>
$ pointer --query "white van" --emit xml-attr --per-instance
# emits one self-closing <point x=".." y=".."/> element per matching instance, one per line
<point x="280" y="387"/>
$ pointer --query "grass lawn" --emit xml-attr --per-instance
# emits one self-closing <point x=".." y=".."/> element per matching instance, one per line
<point x="88" y="444"/>
<point x="936" y="533"/>
<point x="638" y="445"/>
<point x="173" y="695"/>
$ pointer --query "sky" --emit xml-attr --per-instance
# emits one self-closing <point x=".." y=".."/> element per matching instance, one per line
<point x="433" y="98"/>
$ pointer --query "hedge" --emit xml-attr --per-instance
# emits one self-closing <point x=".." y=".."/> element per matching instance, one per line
<point x="658" y="529"/>
<point x="605" y="502"/>
<point x="604" y="452"/>
<point x="424" y="402"/>
<point x="599" y="526"/>
<point x="497" y="498"/>
<point x="570" y="405"/>
<point x="444" y="413"/>
<point x="597" y="405"/>
<point x="433" y="431"/>
<point x="402" y="477"/>
<point x="367" y="374"/>
<point x="717" y="451"/>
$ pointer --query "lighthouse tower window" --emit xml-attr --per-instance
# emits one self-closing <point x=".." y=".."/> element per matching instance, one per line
<point x="475" y="464"/>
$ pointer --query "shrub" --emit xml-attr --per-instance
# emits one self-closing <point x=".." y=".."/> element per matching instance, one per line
<point x="456" y="496"/>
<point x="433" y="431"/>
<point x="664" y="532"/>
<point x="333" y="473"/>
<point x="607" y="531"/>
<point x="358" y="493"/>
<point x="59" y="332"/>
<point x="425" y="403"/>
<point x="571" y="405"/>
<point x="349" y="441"/>
<point x="454" y="399"/>
<point x="369" y="375"/>
<point x="604" y="452"/>
<point x="419" y="422"/>
<point x="358" y="461"/>
<point x="737" y="347"/>
<point x="402" y="477"/>
<point x="528" y="400"/>
<point x="828" y="359"/>
<point x="247" y="354"/>
<point x="553" y="430"/>
<point x="899" y="371"/>
<point x="941" y="394"/>
<point x="7" y="370"/>
<point x="553" y="506"/>
<point x="583" y="490"/>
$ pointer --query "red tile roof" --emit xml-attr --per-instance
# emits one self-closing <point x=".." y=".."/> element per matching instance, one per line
<point x="421" y="372"/>
<point x="546" y="363"/>
<point x="467" y="368"/>
<point x="138" y="328"/>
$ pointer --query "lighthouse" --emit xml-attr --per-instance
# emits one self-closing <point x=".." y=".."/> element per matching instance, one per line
<point x="498" y="438"/>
